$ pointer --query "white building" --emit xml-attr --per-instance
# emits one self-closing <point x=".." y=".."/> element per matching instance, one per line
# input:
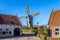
<point x="9" y="26"/>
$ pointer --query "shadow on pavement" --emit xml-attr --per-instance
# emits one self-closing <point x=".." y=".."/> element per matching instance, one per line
<point x="23" y="35"/>
<point x="28" y="35"/>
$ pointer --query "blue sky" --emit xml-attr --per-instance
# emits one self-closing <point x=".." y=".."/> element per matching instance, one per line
<point x="44" y="7"/>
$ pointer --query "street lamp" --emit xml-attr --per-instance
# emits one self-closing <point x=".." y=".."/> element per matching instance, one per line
<point x="37" y="24"/>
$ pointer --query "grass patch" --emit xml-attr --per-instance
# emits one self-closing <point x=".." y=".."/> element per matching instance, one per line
<point x="25" y="29"/>
<point x="45" y="31"/>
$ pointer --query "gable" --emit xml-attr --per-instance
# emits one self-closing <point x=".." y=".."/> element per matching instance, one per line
<point x="54" y="18"/>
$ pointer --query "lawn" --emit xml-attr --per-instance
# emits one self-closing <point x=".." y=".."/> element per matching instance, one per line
<point x="25" y="29"/>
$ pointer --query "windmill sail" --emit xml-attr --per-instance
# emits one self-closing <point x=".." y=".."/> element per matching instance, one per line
<point x="27" y="9"/>
<point x="37" y="13"/>
<point x="22" y="17"/>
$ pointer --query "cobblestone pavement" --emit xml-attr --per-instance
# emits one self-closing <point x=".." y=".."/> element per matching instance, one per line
<point x="22" y="38"/>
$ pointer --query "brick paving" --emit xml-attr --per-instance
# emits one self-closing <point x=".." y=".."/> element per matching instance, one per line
<point x="27" y="36"/>
<point x="22" y="38"/>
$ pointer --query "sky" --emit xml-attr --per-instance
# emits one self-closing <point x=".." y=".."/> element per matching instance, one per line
<point x="44" y="7"/>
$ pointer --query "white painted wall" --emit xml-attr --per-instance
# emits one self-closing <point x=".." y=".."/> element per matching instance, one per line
<point x="10" y="27"/>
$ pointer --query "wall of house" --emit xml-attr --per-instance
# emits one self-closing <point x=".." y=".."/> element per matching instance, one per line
<point x="8" y="28"/>
<point x="53" y="32"/>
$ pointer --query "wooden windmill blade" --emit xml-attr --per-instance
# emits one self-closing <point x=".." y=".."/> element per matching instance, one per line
<point x="22" y="17"/>
<point x="27" y="9"/>
<point x="35" y="14"/>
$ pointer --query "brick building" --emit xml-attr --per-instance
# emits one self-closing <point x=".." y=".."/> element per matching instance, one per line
<point x="54" y="24"/>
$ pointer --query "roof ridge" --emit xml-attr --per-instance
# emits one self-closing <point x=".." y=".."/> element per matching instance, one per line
<point x="8" y="15"/>
<point x="50" y="16"/>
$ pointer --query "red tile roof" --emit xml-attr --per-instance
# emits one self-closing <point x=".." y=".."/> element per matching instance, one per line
<point x="9" y="19"/>
<point x="54" y="18"/>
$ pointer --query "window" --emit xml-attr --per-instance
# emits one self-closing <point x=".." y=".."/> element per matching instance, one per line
<point x="7" y="29"/>
<point x="9" y="32"/>
<point x="56" y="31"/>
<point x="3" y="32"/>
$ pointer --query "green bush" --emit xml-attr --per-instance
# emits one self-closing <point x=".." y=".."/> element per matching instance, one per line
<point x="34" y="30"/>
<point x="45" y="31"/>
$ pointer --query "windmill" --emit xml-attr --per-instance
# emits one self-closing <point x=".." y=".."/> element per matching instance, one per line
<point x="29" y="18"/>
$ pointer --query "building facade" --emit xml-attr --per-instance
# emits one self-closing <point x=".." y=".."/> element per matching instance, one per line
<point x="54" y="24"/>
<point x="9" y="26"/>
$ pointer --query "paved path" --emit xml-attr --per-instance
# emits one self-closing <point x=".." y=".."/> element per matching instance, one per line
<point x="24" y="37"/>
